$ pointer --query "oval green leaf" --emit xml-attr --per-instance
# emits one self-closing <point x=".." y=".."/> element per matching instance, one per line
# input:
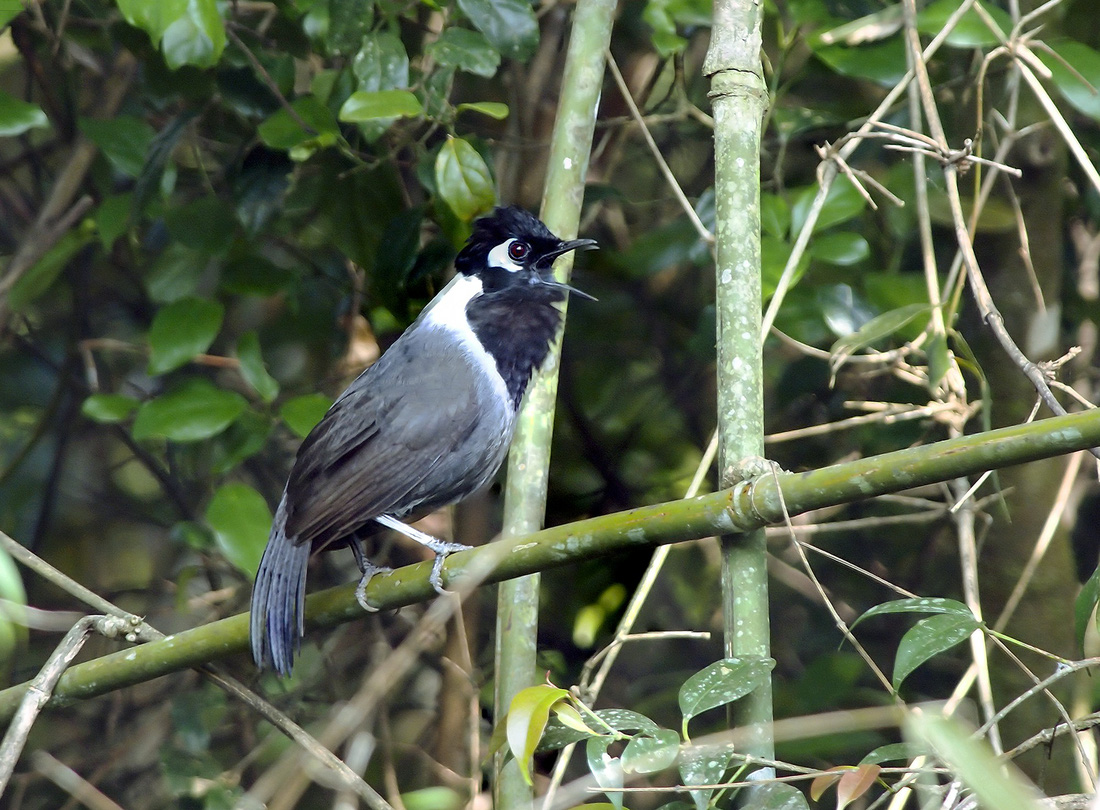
<point x="929" y="637"/>
<point x="509" y="25"/>
<point x="108" y="408"/>
<point x="842" y="203"/>
<point x="651" y="754"/>
<point x="462" y="179"/>
<point x="704" y="765"/>
<point x="493" y="109"/>
<point x="842" y="248"/>
<point x="181" y="331"/>
<point x="191" y="413"/>
<point x="241" y="520"/>
<point x="465" y="50"/>
<point x="366" y="105"/>
<point x="1075" y="70"/>
<point x="722" y="682"/>
<point x="877" y="329"/>
<point x="302" y="413"/>
<point x="18" y="116"/>
<point x="253" y="369"/>
<point x="196" y="37"/>
<point x="920" y="604"/>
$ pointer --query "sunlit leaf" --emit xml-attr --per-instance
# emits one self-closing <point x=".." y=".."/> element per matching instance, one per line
<point x="703" y="765"/>
<point x="919" y="604"/>
<point x="970" y="30"/>
<point x="722" y="682"/>
<point x="841" y="248"/>
<point x="462" y="179"/>
<point x="527" y="716"/>
<point x="191" y="413"/>
<point x="1075" y="71"/>
<point x="196" y="37"/>
<point x="492" y="109"/>
<point x="877" y="329"/>
<point x="108" y="408"/>
<point x="241" y="520"/>
<point x="18" y="116"/>
<point x="372" y="105"/>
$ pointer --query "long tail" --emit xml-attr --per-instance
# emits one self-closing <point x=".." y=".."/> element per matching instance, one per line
<point x="278" y="599"/>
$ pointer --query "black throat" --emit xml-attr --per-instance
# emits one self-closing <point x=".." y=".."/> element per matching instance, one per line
<point x="516" y="325"/>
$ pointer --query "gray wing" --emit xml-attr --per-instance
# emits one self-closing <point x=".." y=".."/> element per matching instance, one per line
<point x="388" y="449"/>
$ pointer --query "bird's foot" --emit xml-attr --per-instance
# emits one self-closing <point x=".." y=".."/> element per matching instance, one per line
<point x="369" y="569"/>
<point x="442" y="548"/>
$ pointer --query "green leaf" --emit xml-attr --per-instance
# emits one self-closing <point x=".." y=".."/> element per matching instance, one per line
<point x="936" y="605"/>
<point x="42" y="274"/>
<point x="108" y="408"/>
<point x="243" y="439"/>
<point x="181" y="331"/>
<point x="889" y="753"/>
<point x="241" y="520"/>
<point x="778" y="796"/>
<point x="470" y="51"/>
<point x="775" y="215"/>
<point x="13" y="633"/>
<point x="704" y="765"/>
<point x="152" y="16"/>
<point x="205" y="225"/>
<point x="196" y="37"/>
<point x="125" y="140"/>
<point x="112" y="218"/>
<point x="9" y="10"/>
<point x="880" y="62"/>
<point x="970" y="30"/>
<point x="996" y="783"/>
<point x="877" y="329"/>
<point x="191" y="413"/>
<point x="341" y="23"/>
<point x="493" y="109"/>
<point x="722" y="682"/>
<point x="509" y="25"/>
<point x="606" y="769"/>
<point x="651" y="754"/>
<point x="462" y="179"/>
<point x="284" y="131"/>
<point x="1083" y="607"/>
<point x="1075" y="71"/>
<point x="302" y="413"/>
<point x="842" y="203"/>
<point x="841" y="248"/>
<point x="252" y="274"/>
<point x="253" y="369"/>
<point x="365" y="105"/>
<point x="929" y="637"/>
<point x="175" y="273"/>
<point x="527" y="717"/>
<point x="381" y="63"/>
<point x="558" y="735"/>
<point x="939" y="359"/>
<point x="18" y="116"/>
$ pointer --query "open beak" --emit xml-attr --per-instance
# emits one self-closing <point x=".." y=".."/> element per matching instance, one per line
<point x="547" y="262"/>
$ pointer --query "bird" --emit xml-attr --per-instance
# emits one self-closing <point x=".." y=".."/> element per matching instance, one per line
<point x="427" y="425"/>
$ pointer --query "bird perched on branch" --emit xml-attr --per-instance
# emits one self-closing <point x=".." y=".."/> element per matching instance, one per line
<point x="427" y="425"/>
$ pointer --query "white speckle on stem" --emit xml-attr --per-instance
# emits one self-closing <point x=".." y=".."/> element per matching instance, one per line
<point x="567" y="164"/>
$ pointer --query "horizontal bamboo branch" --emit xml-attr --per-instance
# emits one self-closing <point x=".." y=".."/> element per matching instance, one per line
<point x="746" y="506"/>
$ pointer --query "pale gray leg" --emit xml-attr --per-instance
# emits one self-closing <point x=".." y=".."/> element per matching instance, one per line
<point x="442" y="548"/>
<point x="368" y="570"/>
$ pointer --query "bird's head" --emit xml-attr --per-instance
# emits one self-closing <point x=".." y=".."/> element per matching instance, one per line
<point x="511" y="247"/>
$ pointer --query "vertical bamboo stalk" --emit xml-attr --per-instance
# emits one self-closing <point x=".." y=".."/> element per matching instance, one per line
<point x="529" y="461"/>
<point x="739" y="96"/>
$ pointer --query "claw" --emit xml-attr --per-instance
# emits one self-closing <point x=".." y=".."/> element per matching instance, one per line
<point x="442" y="548"/>
<point x="369" y="569"/>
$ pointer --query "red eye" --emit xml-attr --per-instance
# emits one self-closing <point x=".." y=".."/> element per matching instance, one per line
<point x="518" y="250"/>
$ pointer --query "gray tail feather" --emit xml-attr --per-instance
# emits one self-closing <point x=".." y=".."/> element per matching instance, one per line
<point x="278" y="599"/>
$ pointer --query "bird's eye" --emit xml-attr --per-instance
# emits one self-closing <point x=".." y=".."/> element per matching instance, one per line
<point x="518" y="250"/>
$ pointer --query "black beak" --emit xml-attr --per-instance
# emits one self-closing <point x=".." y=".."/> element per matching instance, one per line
<point x="546" y="262"/>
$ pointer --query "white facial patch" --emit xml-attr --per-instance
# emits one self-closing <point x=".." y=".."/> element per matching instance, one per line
<point x="498" y="257"/>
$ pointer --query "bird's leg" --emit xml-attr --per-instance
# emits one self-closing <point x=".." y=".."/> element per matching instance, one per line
<point x="368" y="569"/>
<point x="442" y="548"/>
